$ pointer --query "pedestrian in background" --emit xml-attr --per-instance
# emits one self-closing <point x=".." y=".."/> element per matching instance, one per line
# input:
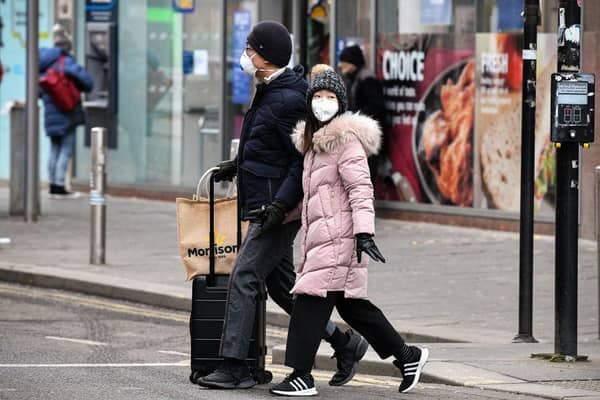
<point x="338" y="225"/>
<point x="364" y="92"/>
<point x="269" y="171"/>
<point x="60" y="126"/>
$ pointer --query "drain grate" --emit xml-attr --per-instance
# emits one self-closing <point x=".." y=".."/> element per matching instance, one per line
<point x="591" y="384"/>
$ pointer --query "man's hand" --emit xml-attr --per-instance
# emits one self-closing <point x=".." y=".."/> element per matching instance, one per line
<point x="364" y="242"/>
<point x="271" y="215"/>
<point x="227" y="170"/>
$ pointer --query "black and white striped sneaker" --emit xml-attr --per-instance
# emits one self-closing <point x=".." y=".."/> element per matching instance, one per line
<point x="411" y="371"/>
<point x="296" y="385"/>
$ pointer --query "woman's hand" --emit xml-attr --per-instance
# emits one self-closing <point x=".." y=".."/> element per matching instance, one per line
<point x="364" y="242"/>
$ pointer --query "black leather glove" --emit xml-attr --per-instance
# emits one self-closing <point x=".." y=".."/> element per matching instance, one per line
<point x="271" y="215"/>
<point x="227" y="170"/>
<point x="364" y="242"/>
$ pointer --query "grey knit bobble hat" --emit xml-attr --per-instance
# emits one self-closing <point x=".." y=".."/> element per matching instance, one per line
<point x="328" y="80"/>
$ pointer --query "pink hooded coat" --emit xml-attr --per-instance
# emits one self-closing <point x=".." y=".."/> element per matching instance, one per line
<point x="337" y="204"/>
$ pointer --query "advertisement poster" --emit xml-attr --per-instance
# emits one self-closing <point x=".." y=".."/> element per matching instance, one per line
<point x="18" y="20"/>
<point x="240" y="81"/>
<point x="453" y="126"/>
<point x="429" y="87"/>
<point x="498" y="122"/>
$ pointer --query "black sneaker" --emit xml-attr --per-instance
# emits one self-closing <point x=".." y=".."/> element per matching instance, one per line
<point x="228" y="378"/>
<point x="411" y="371"/>
<point x="59" y="192"/>
<point x="348" y="358"/>
<point x="296" y="385"/>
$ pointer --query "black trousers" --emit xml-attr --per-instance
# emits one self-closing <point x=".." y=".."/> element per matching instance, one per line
<point x="263" y="257"/>
<point x="310" y="316"/>
<point x="267" y="257"/>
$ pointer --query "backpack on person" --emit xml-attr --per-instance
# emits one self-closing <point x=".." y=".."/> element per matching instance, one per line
<point x="61" y="89"/>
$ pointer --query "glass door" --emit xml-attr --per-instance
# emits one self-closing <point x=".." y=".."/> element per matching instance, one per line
<point x="202" y="141"/>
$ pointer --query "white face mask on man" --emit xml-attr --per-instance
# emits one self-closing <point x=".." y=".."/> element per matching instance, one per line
<point x="324" y="109"/>
<point x="248" y="66"/>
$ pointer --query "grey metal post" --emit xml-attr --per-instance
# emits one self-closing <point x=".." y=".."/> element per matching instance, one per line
<point x="18" y="159"/>
<point x="373" y="35"/>
<point x="32" y="191"/>
<point x="598" y="238"/>
<point x="333" y="61"/>
<point x="97" y="198"/>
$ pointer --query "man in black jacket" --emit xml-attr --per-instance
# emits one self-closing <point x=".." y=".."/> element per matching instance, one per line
<point x="365" y="93"/>
<point x="269" y="171"/>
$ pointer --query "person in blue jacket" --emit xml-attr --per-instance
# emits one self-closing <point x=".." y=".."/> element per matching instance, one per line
<point x="60" y="126"/>
<point x="269" y="171"/>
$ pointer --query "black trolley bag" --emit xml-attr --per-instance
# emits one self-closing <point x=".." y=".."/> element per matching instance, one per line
<point x="209" y="298"/>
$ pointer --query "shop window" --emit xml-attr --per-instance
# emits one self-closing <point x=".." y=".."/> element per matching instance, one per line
<point x="453" y="101"/>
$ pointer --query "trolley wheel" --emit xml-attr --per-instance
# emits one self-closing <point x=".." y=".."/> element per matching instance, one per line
<point x="194" y="377"/>
<point x="198" y="373"/>
<point x="263" y="376"/>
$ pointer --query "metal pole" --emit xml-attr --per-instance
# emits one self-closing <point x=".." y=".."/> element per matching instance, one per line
<point x="32" y="115"/>
<point x="97" y="198"/>
<point x="333" y="61"/>
<point x="598" y="239"/>
<point x="373" y="35"/>
<point x="531" y="14"/>
<point x="567" y="201"/>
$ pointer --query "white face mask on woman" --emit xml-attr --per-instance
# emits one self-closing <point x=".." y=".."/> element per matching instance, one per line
<point x="324" y="109"/>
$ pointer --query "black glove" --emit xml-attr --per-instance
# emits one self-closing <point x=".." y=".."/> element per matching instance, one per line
<point x="227" y="170"/>
<point x="271" y="215"/>
<point x="364" y="242"/>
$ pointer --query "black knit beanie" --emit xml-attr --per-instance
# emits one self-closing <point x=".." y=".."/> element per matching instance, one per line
<point x="328" y="80"/>
<point x="353" y="55"/>
<point x="272" y="41"/>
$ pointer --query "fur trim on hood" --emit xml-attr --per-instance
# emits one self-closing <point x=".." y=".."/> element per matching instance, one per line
<point x="339" y="131"/>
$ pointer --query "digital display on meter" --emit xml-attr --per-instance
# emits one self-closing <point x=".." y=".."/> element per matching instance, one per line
<point x="572" y="102"/>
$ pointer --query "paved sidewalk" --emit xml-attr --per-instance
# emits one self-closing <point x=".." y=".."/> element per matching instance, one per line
<point x="441" y="283"/>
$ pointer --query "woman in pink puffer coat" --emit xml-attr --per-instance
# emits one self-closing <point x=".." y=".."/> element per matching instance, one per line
<point x="338" y="225"/>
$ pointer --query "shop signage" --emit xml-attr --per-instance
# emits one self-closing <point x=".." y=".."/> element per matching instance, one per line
<point x="436" y="12"/>
<point x="184" y="6"/>
<point x="101" y="11"/>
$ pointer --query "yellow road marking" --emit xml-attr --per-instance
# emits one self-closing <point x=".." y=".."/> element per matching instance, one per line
<point x="279" y="371"/>
<point x="111" y="306"/>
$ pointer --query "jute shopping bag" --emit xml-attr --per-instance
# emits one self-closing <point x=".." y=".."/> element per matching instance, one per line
<point x="193" y="216"/>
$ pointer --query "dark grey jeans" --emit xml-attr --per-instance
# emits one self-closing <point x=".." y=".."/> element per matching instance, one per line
<point x="263" y="257"/>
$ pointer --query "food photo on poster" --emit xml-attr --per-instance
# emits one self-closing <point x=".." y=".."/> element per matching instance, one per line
<point x="453" y="120"/>
<point x="429" y="87"/>
<point x="498" y="123"/>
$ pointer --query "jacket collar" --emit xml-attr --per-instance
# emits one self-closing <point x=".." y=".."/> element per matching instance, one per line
<point x="288" y="79"/>
<point x="341" y="130"/>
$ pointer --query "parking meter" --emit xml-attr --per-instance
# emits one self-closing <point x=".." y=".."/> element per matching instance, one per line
<point x="101" y="62"/>
<point x="572" y="108"/>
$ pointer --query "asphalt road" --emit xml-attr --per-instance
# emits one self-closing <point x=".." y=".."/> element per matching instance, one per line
<point x="66" y="346"/>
